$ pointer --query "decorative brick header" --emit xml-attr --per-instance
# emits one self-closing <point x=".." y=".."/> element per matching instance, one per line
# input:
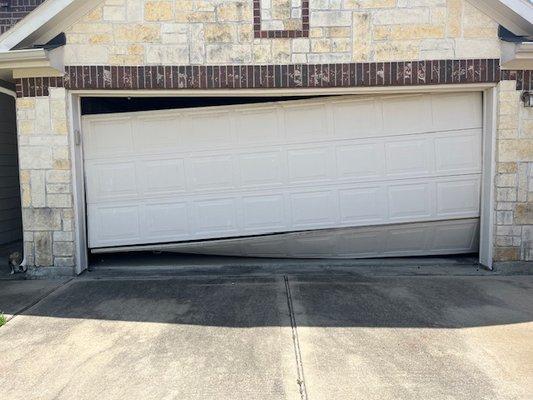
<point x="288" y="33"/>
<point x="12" y="11"/>
<point x="408" y="73"/>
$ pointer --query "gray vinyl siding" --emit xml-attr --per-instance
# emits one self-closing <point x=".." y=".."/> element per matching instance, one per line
<point x="10" y="214"/>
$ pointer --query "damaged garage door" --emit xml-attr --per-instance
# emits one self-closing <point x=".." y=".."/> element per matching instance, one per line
<point x="249" y="170"/>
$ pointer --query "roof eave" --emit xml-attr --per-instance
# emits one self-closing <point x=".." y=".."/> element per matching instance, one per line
<point x="45" y="22"/>
<point x="517" y="56"/>
<point x="515" y="15"/>
<point x="31" y="62"/>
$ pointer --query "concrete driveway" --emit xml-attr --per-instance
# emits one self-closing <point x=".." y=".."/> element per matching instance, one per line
<point x="315" y="336"/>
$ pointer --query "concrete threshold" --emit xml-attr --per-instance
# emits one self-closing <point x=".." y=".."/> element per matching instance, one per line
<point x="166" y="265"/>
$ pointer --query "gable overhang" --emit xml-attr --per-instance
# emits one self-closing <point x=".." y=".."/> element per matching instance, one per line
<point x="45" y="22"/>
<point x="31" y="62"/>
<point x="517" y="56"/>
<point x="515" y="15"/>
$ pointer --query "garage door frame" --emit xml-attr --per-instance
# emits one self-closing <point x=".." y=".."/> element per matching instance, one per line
<point x="488" y="145"/>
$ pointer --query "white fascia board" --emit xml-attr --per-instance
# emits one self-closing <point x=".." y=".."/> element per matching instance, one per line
<point x="45" y="22"/>
<point x="514" y="15"/>
<point x="517" y="56"/>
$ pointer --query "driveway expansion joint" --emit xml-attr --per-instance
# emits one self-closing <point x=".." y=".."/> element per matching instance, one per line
<point x="295" y="341"/>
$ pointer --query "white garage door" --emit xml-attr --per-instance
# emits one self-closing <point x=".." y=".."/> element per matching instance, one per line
<point x="233" y="171"/>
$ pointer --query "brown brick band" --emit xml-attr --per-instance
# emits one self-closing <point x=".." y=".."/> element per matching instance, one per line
<point x="215" y="77"/>
<point x="12" y="11"/>
<point x="261" y="33"/>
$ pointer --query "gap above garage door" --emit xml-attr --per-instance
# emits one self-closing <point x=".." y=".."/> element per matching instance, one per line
<point x="246" y="170"/>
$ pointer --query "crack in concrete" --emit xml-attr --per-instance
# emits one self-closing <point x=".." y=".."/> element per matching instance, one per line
<point x="295" y="341"/>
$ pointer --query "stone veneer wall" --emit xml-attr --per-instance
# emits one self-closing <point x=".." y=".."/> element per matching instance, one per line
<point x="199" y="32"/>
<point x="208" y="32"/>
<point x="514" y="179"/>
<point x="45" y="180"/>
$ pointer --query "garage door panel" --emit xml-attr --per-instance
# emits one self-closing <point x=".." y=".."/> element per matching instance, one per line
<point x="211" y="173"/>
<point x="263" y="211"/>
<point x="112" y="181"/>
<point x="305" y="122"/>
<point x="425" y="238"/>
<point x="457" y="111"/>
<point x="156" y="134"/>
<point x="368" y="114"/>
<point x="458" y="197"/>
<point x="452" y="238"/>
<point x="309" y="164"/>
<point x="115" y="224"/>
<point x="109" y="137"/>
<point x="199" y="133"/>
<point x="162" y="177"/>
<point x="407" y="239"/>
<point x="362" y="205"/>
<point x="407" y="201"/>
<point x="309" y="209"/>
<point x="215" y="216"/>
<point x="360" y="160"/>
<point x="404" y="115"/>
<point x="167" y="221"/>
<point x="261" y="169"/>
<point x="258" y="126"/>
<point x="459" y="152"/>
<point x="408" y="157"/>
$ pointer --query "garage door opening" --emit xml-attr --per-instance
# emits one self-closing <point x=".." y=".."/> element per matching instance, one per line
<point x="320" y="177"/>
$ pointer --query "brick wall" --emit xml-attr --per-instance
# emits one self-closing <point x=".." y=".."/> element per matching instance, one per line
<point x="514" y="180"/>
<point x="12" y="11"/>
<point x="183" y="32"/>
<point x="45" y="178"/>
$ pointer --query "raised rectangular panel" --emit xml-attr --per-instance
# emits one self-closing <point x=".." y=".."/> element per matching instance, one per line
<point x="360" y="160"/>
<point x="119" y="223"/>
<point x="357" y="118"/>
<point x="456" y="198"/>
<point x="257" y="126"/>
<point x="109" y="137"/>
<point x="407" y="239"/>
<point x="360" y="243"/>
<point x="207" y="131"/>
<point x="407" y="157"/>
<point x="409" y="200"/>
<point x="312" y="208"/>
<point x="163" y="176"/>
<point x="214" y="172"/>
<point x="215" y="216"/>
<point x="263" y="212"/>
<point x="455" y="237"/>
<point x="167" y="219"/>
<point x="308" y="164"/>
<point x="458" y="153"/>
<point x="406" y="114"/>
<point x="156" y="134"/>
<point x="312" y="245"/>
<point x="361" y="205"/>
<point x="266" y="247"/>
<point x="261" y="168"/>
<point x="305" y="122"/>
<point x="457" y="111"/>
<point x="113" y="181"/>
